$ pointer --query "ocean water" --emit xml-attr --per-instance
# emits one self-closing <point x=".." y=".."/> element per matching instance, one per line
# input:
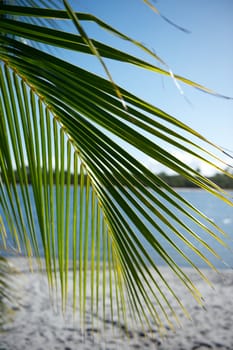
<point x="219" y="212"/>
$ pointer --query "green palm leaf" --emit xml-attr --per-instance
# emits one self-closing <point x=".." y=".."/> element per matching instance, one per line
<point x="95" y="204"/>
<point x="79" y="43"/>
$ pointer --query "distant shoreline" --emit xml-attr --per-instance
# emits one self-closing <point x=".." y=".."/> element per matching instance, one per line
<point x="174" y="181"/>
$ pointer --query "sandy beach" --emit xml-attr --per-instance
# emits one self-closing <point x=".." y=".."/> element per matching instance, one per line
<point x="35" y="324"/>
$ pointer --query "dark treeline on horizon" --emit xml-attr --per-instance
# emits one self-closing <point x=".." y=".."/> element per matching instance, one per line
<point x="172" y="180"/>
<point x="221" y="180"/>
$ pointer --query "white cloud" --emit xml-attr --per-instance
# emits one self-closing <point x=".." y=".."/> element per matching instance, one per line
<point x="189" y="160"/>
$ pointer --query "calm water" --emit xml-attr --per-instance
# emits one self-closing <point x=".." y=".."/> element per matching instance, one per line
<point x="221" y="214"/>
<point x="218" y="211"/>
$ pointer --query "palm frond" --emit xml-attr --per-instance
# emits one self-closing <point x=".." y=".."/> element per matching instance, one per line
<point x="71" y="41"/>
<point x="65" y="129"/>
<point x="50" y="189"/>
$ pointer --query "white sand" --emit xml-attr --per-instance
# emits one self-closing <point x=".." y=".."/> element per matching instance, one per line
<point x="35" y="325"/>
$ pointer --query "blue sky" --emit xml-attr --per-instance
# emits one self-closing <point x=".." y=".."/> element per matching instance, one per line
<point x="205" y="55"/>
